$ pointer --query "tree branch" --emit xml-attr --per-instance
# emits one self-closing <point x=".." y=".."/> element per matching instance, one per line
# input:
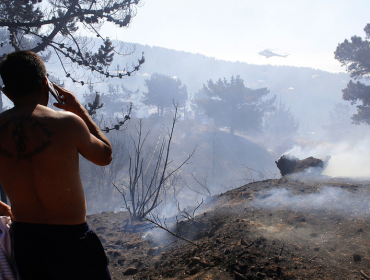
<point x="159" y="225"/>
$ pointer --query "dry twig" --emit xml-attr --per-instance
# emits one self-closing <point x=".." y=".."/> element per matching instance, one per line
<point x="314" y="257"/>
<point x="185" y="214"/>
<point x="282" y="249"/>
<point x="364" y="275"/>
<point x="158" y="224"/>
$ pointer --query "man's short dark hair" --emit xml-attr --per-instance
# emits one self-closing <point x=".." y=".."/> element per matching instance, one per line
<point x="22" y="72"/>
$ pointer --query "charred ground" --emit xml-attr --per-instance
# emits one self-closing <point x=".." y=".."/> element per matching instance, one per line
<point x="237" y="238"/>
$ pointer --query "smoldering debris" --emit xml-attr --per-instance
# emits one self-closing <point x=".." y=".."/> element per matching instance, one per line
<point x="289" y="164"/>
<point x="327" y="199"/>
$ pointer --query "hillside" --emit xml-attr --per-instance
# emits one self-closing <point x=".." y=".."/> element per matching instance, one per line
<point x="290" y="228"/>
<point x="310" y="93"/>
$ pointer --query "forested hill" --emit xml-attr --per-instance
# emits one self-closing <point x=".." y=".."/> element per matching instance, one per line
<point x="310" y="93"/>
<point x="195" y="69"/>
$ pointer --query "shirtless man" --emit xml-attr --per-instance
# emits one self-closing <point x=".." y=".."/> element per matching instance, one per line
<point x="39" y="170"/>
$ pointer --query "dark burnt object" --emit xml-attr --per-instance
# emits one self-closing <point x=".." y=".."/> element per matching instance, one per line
<point x="288" y="164"/>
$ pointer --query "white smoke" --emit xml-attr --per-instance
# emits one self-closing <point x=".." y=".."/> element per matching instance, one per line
<point x="347" y="159"/>
<point x="328" y="198"/>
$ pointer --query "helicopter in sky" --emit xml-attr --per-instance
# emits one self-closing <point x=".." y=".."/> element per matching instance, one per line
<point x="268" y="53"/>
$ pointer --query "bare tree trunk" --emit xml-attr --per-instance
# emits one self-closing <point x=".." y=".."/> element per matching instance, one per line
<point x="1" y="102"/>
<point x="2" y="192"/>
<point x="142" y="194"/>
<point x="213" y="156"/>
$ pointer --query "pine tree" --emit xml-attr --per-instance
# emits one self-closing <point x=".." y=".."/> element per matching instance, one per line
<point x="231" y="104"/>
<point x="163" y="91"/>
<point x="355" y="55"/>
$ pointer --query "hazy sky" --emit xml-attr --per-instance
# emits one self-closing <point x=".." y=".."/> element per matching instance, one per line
<point x="238" y="29"/>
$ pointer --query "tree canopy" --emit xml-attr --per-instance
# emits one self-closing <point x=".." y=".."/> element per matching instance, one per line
<point x="232" y="104"/>
<point x="279" y="127"/>
<point x="281" y="124"/>
<point x="56" y="25"/>
<point x="340" y="123"/>
<point x="355" y="55"/>
<point x="163" y="91"/>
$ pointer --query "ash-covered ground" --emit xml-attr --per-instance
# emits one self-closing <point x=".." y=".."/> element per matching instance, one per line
<point x="289" y="228"/>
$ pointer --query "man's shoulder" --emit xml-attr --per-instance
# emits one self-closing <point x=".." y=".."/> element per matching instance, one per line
<point x="65" y="122"/>
<point x="63" y="116"/>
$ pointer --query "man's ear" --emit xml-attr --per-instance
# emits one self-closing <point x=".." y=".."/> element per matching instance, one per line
<point x="5" y="91"/>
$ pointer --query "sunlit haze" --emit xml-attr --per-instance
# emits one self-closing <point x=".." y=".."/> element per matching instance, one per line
<point x="203" y="139"/>
<point x="237" y="30"/>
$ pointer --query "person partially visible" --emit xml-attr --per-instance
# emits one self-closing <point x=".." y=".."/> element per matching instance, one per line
<point x="5" y="210"/>
<point x="39" y="171"/>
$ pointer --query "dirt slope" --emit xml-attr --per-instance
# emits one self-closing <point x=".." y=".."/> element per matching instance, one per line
<point x="274" y="229"/>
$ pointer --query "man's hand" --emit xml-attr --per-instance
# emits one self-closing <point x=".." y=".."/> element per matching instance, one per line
<point x="71" y="103"/>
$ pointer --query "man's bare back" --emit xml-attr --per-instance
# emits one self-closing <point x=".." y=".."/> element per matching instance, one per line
<point x="39" y="170"/>
<point x="39" y="166"/>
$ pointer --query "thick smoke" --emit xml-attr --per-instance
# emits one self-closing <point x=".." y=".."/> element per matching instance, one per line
<point x="328" y="198"/>
<point x="348" y="159"/>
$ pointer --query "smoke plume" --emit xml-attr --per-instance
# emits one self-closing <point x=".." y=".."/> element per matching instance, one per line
<point x="328" y="198"/>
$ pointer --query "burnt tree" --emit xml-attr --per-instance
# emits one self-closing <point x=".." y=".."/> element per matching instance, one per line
<point x="148" y="175"/>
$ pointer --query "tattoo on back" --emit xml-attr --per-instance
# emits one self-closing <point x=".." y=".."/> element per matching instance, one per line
<point x="20" y="129"/>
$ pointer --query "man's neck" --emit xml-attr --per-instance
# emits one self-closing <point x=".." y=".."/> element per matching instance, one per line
<point x="32" y="99"/>
<point x="24" y="103"/>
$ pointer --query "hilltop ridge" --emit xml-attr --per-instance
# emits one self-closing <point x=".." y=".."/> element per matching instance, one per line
<point x="289" y="228"/>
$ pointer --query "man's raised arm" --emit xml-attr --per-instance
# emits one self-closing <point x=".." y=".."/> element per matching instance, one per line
<point x="91" y="142"/>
